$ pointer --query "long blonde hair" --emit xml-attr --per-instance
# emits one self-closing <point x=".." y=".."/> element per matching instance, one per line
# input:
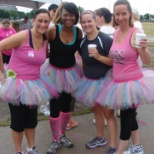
<point x="57" y="17"/>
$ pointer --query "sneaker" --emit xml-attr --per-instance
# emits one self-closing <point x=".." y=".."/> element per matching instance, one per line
<point x="111" y="151"/>
<point x="118" y="113"/>
<point x="33" y="151"/>
<point x="45" y="110"/>
<point x="65" y="142"/>
<point x="135" y="149"/>
<point x="54" y="147"/>
<point x="96" y="142"/>
<point x="105" y="122"/>
<point x="71" y="124"/>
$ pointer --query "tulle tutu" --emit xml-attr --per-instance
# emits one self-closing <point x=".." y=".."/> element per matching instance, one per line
<point x="64" y="80"/>
<point x="124" y="95"/>
<point x="28" y="92"/>
<point x="87" y="90"/>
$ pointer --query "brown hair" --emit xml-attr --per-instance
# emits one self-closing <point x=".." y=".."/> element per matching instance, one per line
<point x="123" y="2"/>
<point x="6" y="21"/>
<point x="57" y="16"/>
<point x="105" y="13"/>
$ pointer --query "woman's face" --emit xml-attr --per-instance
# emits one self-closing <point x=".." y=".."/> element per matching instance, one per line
<point x="88" y="23"/>
<point x="41" y="22"/>
<point x="68" y="19"/>
<point x="122" y="14"/>
<point x="6" y="25"/>
<point x="99" y="20"/>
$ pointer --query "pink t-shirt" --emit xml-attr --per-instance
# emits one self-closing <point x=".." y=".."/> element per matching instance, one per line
<point x="125" y="65"/>
<point x="26" y="61"/>
<point x="5" y="33"/>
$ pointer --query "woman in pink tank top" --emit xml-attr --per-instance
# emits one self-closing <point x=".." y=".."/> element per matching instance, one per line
<point x="130" y="86"/>
<point x="6" y="31"/>
<point x="22" y="87"/>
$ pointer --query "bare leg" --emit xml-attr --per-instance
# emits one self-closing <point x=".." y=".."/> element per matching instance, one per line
<point x="135" y="137"/>
<point x="30" y="135"/>
<point x="17" y="138"/>
<point x="70" y="117"/>
<point x="111" y="125"/>
<point x="99" y="117"/>
<point x="122" y="146"/>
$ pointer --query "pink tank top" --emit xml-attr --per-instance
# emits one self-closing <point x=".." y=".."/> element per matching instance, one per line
<point x="125" y="65"/>
<point x="5" y="33"/>
<point x="26" y="61"/>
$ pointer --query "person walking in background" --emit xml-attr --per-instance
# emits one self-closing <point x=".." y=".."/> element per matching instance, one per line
<point x="5" y="32"/>
<point x="22" y="75"/>
<point x="103" y="21"/>
<point x="136" y="20"/>
<point x="96" y="63"/>
<point x="138" y="25"/>
<point x="63" y="71"/>
<point x="25" y="24"/>
<point x="130" y="86"/>
<point x="52" y="10"/>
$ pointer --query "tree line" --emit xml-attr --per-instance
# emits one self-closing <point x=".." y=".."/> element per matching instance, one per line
<point x="14" y="15"/>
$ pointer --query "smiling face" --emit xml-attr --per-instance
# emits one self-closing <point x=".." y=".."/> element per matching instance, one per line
<point x="122" y="14"/>
<point x="68" y="19"/>
<point x="88" y="23"/>
<point x="41" y="22"/>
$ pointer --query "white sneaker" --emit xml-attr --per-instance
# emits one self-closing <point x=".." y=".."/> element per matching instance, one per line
<point x="45" y="110"/>
<point x="105" y="122"/>
<point x="135" y="149"/>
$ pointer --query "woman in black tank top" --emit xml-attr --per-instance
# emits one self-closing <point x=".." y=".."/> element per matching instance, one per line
<point x="62" y="71"/>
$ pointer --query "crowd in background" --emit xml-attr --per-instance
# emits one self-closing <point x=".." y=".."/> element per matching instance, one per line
<point x="62" y="57"/>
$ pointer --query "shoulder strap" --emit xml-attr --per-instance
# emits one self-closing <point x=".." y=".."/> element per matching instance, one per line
<point x="30" y="39"/>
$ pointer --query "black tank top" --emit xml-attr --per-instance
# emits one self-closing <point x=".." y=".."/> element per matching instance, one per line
<point x="62" y="55"/>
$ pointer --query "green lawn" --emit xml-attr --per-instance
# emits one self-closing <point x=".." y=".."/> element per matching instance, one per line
<point x="148" y="28"/>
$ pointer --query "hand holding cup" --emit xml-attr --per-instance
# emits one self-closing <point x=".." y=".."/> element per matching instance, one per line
<point x="139" y="37"/>
<point x="91" y="49"/>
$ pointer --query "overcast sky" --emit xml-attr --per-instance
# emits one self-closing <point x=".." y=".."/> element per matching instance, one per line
<point x="143" y="6"/>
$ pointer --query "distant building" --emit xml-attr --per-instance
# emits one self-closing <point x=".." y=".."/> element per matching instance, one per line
<point x="8" y="7"/>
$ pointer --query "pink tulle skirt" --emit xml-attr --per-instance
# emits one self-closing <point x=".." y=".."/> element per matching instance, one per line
<point x="87" y="90"/>
<point x="64" y="80"/>
<point x="28" y="92"/>
<point x="124" y="95"/>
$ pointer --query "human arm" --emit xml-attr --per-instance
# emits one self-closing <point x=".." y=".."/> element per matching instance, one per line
<point x="143" y="51"/>
<point x="103" y="59"/>
<point x="51" y="33"/>
<point x="107" y="42"/>
<point x="13" y="41"/>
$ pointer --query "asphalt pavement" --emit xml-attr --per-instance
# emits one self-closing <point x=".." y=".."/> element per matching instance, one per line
<point x="80" y="135"/>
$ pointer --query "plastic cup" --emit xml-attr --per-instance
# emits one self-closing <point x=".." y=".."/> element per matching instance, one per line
<point x="91" y="48"/>
<point x="138" y="38"/>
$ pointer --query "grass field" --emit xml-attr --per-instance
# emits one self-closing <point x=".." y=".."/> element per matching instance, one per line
<point x="148" y="28"/>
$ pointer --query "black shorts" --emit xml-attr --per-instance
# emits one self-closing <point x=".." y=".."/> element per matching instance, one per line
<point x="6" y="58"/>
<point x="22" y="117"/>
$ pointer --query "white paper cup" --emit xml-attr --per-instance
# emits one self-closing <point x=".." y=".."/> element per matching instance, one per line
<point x="91" y="47"/>
<point x="138" y="38"/>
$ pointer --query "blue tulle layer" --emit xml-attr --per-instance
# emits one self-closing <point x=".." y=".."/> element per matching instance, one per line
<point x="64" y="80"/>
<point x="28" y="92"/>
<point x="87" y="90"/>
<point x="123" y="95"/>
